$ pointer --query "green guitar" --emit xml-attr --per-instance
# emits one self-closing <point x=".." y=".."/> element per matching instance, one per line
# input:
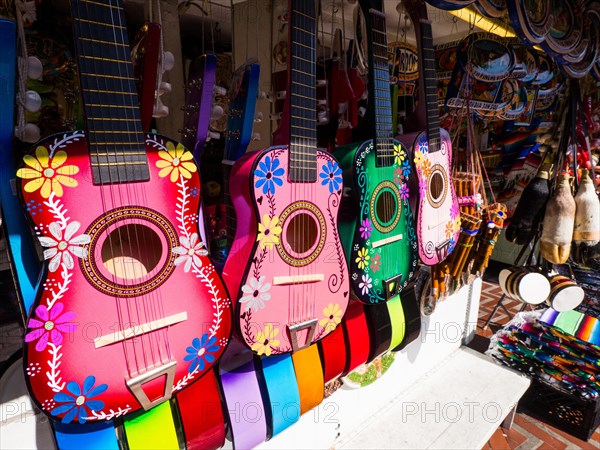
<point x="376" y="222"/>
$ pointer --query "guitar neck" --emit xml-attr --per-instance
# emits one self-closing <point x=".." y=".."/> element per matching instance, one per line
<point x="110" y="99"/>
<point x="229" y="209"/>
<point x="379" y="87"/>
<point x="302" y="97"/>
<point x="427" y="110"/>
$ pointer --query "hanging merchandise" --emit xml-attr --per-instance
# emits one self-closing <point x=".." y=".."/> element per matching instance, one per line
<point x="587" y="218"/>
<point x="559" y="219"/>
<point x="530" y="209"/>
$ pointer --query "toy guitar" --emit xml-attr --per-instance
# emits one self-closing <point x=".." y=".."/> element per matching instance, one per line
<point x="128" y="279"/>
<point x="290" y="290"/>
<point x="149" y="63"/>
<point x="438" y="220"/>
<point x="240" y="120"/>
<point x="199" y="96"/>
<point x="376" y="223"/>
<point x="22" y="254"/>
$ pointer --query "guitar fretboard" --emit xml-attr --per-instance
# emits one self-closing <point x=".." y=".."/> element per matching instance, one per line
<point x="110" y="98"/>
<point x="429" y="80"/>
<point x="380" y="90"/>
<point x="303" y="106"/>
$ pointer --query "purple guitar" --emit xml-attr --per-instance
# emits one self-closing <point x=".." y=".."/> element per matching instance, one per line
<point x="199" y="96"/>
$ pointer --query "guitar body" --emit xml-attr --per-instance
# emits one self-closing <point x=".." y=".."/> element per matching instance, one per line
<point x="296" y="272"/>
<point x="376" y="225"/>
<point x="115" y="317"/>
<point x="438" y="218"/>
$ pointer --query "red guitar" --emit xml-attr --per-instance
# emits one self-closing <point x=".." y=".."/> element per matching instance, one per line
<point x="132" y="310"/>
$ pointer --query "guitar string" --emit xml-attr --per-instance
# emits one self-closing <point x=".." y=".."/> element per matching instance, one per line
<point x="136" y="320"/>
<point x="91" y="127"/>
<point x="103" y="188"/>
<point x="146" y="306"/>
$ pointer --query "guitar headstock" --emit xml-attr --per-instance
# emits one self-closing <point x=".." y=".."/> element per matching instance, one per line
<point x="240" y="116"/>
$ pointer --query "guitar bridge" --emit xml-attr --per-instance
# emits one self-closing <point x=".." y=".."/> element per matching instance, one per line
<point x="294" y="330"/>
<point x="392" y="286"/>
<point x="442" y="249"/>
<point x="135" y="384"/>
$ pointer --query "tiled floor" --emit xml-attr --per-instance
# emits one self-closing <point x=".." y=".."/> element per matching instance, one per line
<point x="526" y="433"/>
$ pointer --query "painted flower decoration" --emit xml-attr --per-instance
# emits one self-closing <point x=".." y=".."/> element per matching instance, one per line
<point x="79" y="402"/>
<point x="200" y="352"/>
<point x="175" y="161"/>
<point x="49" y="174"/>
<point x="376" y="263"/>
<point x="398" y="173"/>
<point x="457" y="224"/>
<point x="363" y="258"/>
<point x="406" y="168"/>
<point x="268" y="175"/>
<point x="449" y="229"/>
<point x="49" y="325"/>
<point x="404" y="192"/>
<point x="423" y="146"/>
<point x="189" y="252"/>
<point x="423" y="186"/>
<point x="265" y="340"/>
<point x="268" y="232"/>
<point x="331" y="175"/>
<point x="61" y="245"/>
<point x="332" y="317"/>
<point x="399" y="154"/>
<point x="365" y="284"/>
<point x="454" y="211"/>
<point x="426" y="168"/>
<point x="366" y="228"/>
<point x="256" y="293"/>
<point x="419" y="158"/>
<point x="451" y="245"/>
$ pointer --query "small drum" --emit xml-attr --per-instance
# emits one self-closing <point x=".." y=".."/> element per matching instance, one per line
<point x="525" y="284"/>
<point x="564" y="293"/>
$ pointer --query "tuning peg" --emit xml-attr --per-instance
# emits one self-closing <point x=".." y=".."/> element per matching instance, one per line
<point x="216" y="112"/>
<point x="362" y="111"/>
<point x="35" y="69"/>
<point x="342" y="108"/>
<point x="277" y="95"/>
<point x="32" y="101"/>
<point x="321" y="83"/>
<point x="168" y="60"/>
<point x="275" y="116"/>
<point x="255" y="136"/>
<point x="258" y="117"/>
<point x="262" y="95"/>
<point x="164" y="88"/>
<point x="213" y="135"/>
<point x="219" y="90"/>
<point x="30" y="133"/>
<point x="160" y="110"/>
<point x="322" y="118"/>
<point x="321" y="102"/>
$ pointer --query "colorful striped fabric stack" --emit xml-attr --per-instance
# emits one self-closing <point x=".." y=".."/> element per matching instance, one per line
<point x="562" y="349"/>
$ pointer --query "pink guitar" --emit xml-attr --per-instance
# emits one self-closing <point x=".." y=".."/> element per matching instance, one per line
<point x="438" y="219"/>
<point x="131" y="310"/>
<point x="287" y="269"/>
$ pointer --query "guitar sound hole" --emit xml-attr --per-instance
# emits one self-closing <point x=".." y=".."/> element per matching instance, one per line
<point x="436" y="185"/>
<point x="131" y="251"/>
<point x="386" y="207"/>
<point x="301" y="233"/>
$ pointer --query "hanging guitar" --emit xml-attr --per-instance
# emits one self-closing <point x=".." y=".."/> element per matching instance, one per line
<point x="290" y="290"/>
<point x="376" y="222"/>
<point x="240" y="120"/>
<point x="128" y="279"/>
<point x="438" y="219"/>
